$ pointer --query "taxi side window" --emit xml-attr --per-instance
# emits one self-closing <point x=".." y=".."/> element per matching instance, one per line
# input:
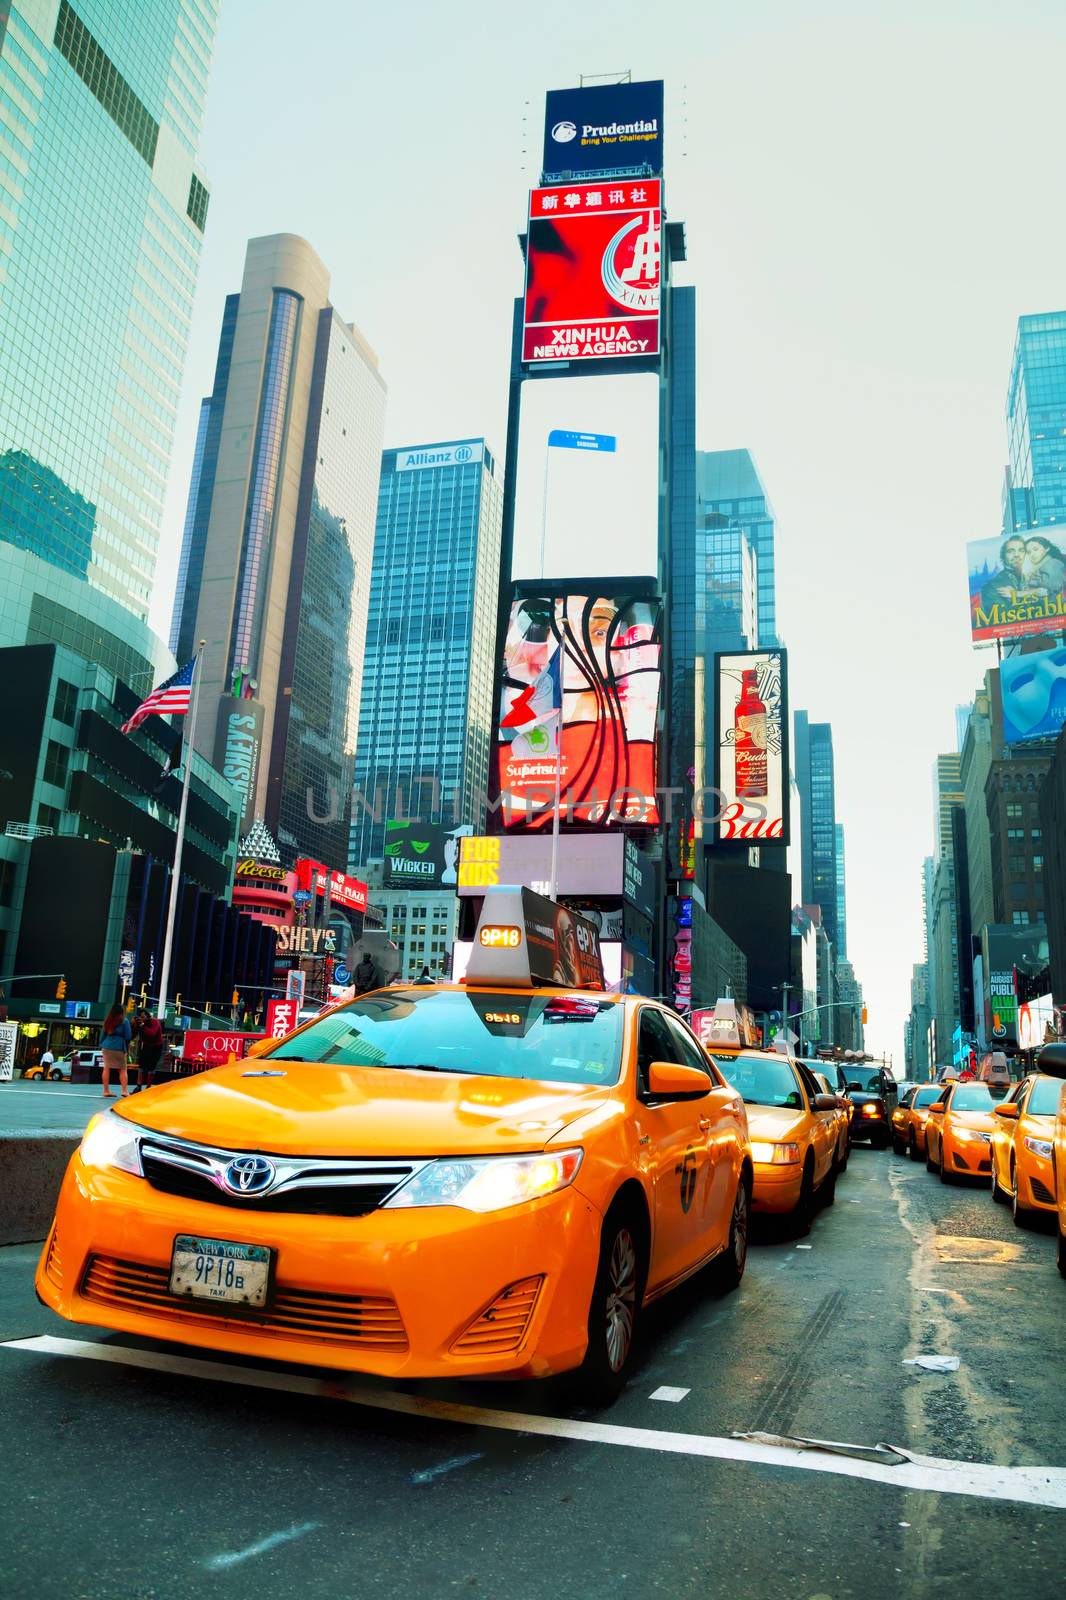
<point x="653" y="1044"/>
<point x="808" y="1080"/>
<point x="686" y="1050"/>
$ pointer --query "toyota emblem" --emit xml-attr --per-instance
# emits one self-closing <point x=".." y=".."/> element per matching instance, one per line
<point x="249" y="1175"/>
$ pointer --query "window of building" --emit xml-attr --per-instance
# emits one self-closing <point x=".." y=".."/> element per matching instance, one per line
<point x="1020" y="919"/>
<point x="7" y="882"/>
<point x="1016" y="866"/>
<point x="1014" y="809"/>
<point x="1038" y="863"/>
<point x="56" y="762"/>
<point x="48" y="817"/>
<point x="65" y="705"/>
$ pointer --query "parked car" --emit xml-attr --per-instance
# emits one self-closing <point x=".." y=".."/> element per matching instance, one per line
<point x="60" y="1071"/>
<point x="874" y="1092"/>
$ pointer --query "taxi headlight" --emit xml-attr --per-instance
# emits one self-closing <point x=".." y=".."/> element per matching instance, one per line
<point x="111" y="1141"/>
<point x="768" y="1154"/>
<point x="971" y="1133"/>
<point x="1039" y="1147"/>
<point x="488" y="1183"/>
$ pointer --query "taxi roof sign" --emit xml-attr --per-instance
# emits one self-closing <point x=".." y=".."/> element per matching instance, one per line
<point x="525" y="941"/>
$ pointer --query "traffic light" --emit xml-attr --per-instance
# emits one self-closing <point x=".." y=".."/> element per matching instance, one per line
<point x="864" y="1016"/>
<point x="61" y="989"/>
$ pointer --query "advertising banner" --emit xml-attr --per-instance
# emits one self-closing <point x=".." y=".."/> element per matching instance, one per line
<point x="250" y="869"/>
<point x="1036" y="1022"/>
<point x="589" y="864"/>
<point x="295" y="985"/>
<point x="603" y="127"/>
<point x="581" y="679"/>
<point x="414" y="853"/>
<point x="238" y="739"/>
<point x="593" y="272"/>
<point x="1014" y="960"/>
<point x="563" y="947"/>
<point x="343" y="890"/>
<point x="1017" y="585"/>
<point x="282" y="1016"/>
<point x="1033" y="691"/>
<point x="751" y="766"/>
<point x="9" y="1034"/>
<point x="640" y="878"/>
<point x="440" y="455"/>
<point x="215" y="1047"/>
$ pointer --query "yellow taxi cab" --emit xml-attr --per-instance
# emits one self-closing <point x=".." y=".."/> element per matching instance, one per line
<point x="1051" y="1063"/>
<point x="799" y="1134"/>
<point x="958" y="1133"/>
<point x="449" y="1180"/>
<point x="1022" y="1146"/>
<point x="910" y="1118"/>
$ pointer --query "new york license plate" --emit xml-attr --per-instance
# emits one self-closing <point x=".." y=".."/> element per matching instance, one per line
<point x="220" y="1270"/>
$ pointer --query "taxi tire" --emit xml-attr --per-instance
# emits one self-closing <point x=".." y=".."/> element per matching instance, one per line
<point x="726" y="1270"/>
<point x="598" y="1382"/>
<point x="803" y="1216"/>
<point x="999" y="1195"/>
<point x="1023" y="1216"/>
<point x="842" y="1157"/>
<point x="1060" y="1256"/>
<point x="912" y="1148"/>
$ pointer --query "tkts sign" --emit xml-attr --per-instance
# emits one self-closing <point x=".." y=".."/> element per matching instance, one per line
<point x="593" y="271"/>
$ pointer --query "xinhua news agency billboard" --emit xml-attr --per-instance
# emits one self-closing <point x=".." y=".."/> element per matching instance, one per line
<point x="580" y="686"/>
<point x="603" y="128"/>
<point x="593" y="268"/>
<point x="1017" y="585"/>
<point x="751" y="765"/>
<point x="1033" y="690"/>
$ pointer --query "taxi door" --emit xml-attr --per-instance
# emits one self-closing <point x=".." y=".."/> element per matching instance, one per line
<point x="721" y="1118"/>
<point x="823" y="1129"/>
<point x="675" y="1144"/>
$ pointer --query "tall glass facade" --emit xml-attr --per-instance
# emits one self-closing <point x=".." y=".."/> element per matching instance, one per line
<point x="727" y="593"/>
<point x="101" y="221"/>
<point x="1035" y="494"/>
<point x="842" y="903"/>
<point x="813" y="761"/>
<point x="731" y="500"/>
<point x="426" y="719"/>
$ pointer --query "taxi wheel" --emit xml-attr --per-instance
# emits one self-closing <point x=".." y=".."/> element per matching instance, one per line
<point x="842" y="1156"/>
<point x="946" y="1174"/>
<point x="999" y="1195"/>
<point x="616" y="1297"/>
<point x="930" y="1164"/>
<point x="728" y="1268"/>
<point x="1024" y="1216"/>
<point x="803" y="1215"/>
<point x="912" y="1148"/>
<point x="1061" y="1256"/>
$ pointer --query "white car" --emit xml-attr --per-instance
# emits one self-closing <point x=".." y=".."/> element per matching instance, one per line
<point x="59" y="1071"/>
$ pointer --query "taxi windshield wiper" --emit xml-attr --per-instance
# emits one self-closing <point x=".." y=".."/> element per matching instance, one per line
<point x="426" y="1066"/>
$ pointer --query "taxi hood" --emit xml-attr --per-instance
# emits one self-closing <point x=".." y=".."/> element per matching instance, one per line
<point x="315" y="1110"/>
<point x="775" y="1123"/>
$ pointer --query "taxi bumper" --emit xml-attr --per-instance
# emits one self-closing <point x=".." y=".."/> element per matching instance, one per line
<point x="967" y="1157"/>
<point x="776" y="1188"/>
<point x="1036" y="1183"/>
<point x="398" y="1293"/>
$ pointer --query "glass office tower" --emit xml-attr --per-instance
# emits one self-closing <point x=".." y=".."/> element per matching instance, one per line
<point x="1035" y="491"/>
<point x="102" y="211"/>
<point x="812" y="755"/>
<point x="426" y="717"/>
<point x="731" y="499"/>
<point x="727" y="594"/>
<point x="842" y="902"/>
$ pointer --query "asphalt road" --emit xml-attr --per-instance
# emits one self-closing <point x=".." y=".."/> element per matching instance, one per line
<point x="51" y="1107"/>
<point x="123" y="1481"/>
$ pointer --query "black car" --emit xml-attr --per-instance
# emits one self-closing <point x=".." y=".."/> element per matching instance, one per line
<point x="873" y="1091"/>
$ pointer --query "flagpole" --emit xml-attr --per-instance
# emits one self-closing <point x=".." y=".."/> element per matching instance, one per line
<point x="554" y="883"/>
<point x="175" y="880"/>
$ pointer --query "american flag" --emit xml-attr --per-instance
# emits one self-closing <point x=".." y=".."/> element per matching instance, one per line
<point x="170" y="699"/>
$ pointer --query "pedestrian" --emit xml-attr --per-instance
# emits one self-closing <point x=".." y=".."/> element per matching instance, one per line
<point x="150" y="1044"/>
<point x="114" y="1044"/>
<point x="365" y="975"/>
<point x="47" y="1061"/>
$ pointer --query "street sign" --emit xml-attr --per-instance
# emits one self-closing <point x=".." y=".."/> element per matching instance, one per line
<point x="282" y="1017"/>
<point x="341" y="975"/>
<point x="565" y="439"/>
<point x="49" y="1008"/>
<point x="301" y="897"/>
<point x="295" y="984"/>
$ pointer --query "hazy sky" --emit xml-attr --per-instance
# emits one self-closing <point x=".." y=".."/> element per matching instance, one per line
<point x="873" y="194"/>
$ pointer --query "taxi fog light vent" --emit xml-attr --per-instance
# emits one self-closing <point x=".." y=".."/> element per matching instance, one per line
<point x="501" y="1328"/>
<point x="488" y="1183"/>
<point x="1041" y="1192"/>
<point x="53" y="1266"/>
<point x="768" y="1154"/>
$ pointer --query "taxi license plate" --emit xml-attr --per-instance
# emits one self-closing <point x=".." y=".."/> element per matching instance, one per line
<point x="220" y="1270"/>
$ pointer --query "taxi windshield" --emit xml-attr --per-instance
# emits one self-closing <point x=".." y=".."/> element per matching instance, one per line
<point x="560" y="1038"/>
<point x="927" y="1097"/>
<point x="1044" y="1099"/>
<point x="971" y="1097"/>
<point x="761" y="1080"/>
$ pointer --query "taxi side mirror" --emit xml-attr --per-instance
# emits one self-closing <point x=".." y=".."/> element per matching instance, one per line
<point x="941" y="1105"/>
<point x="258" y="1047"/>
<point x="669" y="1080"/>
<point x="824" y="1102"/>
<point x="1008" y="1111"/>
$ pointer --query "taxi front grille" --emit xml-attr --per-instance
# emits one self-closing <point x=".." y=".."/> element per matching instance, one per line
<point x="328" y="1188"/>
<point x="53" y="1266"/>
<point x="372" y="1322"/>
<point x="502" y="1326"/>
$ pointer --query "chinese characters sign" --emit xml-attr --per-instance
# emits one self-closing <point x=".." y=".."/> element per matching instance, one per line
<point x="593" y="271"/>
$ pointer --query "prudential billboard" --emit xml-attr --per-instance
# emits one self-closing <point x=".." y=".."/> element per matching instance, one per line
<point x="610" y="127"/>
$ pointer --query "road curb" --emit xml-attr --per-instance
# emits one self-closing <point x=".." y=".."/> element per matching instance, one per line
<point x="31" y="1170"/>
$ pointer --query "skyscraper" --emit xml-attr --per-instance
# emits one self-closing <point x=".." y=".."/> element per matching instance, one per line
<point x="813" y="761"/>
<point x="102" y="211"/>
<point x="276" y="557"/>
<point x="726" y="578"/>
<point x="426" y="718"/>
<point x="731" y="498"/>
<point x="1035" y="489"/>
<point x="842" y="903"/>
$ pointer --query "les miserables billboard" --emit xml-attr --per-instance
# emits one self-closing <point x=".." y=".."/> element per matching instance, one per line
<point x="593" y="271"/>
<point x="580" y="686"/>
<point x="1017" y="585"/>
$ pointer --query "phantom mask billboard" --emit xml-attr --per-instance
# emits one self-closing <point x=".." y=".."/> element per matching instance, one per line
<point x="1017" y="585"/>
<point x="1033" y="687"/>
<point x="593" y="271"/>
<point x="581" y="679"/>
<point x="752" y="764"/>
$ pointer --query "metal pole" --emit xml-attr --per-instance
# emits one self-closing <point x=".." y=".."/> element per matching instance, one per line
<point x="544" y="511"/>
<point x="554" y="882"/>
<point x="172" y="909"/>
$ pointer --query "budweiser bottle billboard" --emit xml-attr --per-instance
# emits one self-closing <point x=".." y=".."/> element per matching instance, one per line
<point x="749" y="724"/>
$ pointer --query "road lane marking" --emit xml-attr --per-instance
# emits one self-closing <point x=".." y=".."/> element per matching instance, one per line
<point x="666" y="1391"/>
<point x="71" y="1094"/>
<point x="1033" y="1486"/>
<point x="428" y="1474"/>
<point x="233" y="1558"/>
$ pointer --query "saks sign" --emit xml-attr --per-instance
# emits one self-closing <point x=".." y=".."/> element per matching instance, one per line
<point x="439" y="455"/>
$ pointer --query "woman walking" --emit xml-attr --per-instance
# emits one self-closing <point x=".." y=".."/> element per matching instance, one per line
<point x="114" y="1043"/>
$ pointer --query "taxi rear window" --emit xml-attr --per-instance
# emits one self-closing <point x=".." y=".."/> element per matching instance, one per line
<point x="551" y="1038"/>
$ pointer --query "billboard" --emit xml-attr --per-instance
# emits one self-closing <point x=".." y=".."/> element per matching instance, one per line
<point x="1033" y="691"/>
<point x="238" y="741"/>
<point x="1017" y="586"/>
<point x="579" y="510"/>
<point x="562" y="946"/>
<point x="589" y="864"/>
<point x="580" y="690"/>
<point x="343" y="890"/>
<point x="751" y="766"/>
<point x="593" y="271"/>
<point x="603" y="128"/>
<point x="1015" y="961"/>
<point x="414" y="854"/>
